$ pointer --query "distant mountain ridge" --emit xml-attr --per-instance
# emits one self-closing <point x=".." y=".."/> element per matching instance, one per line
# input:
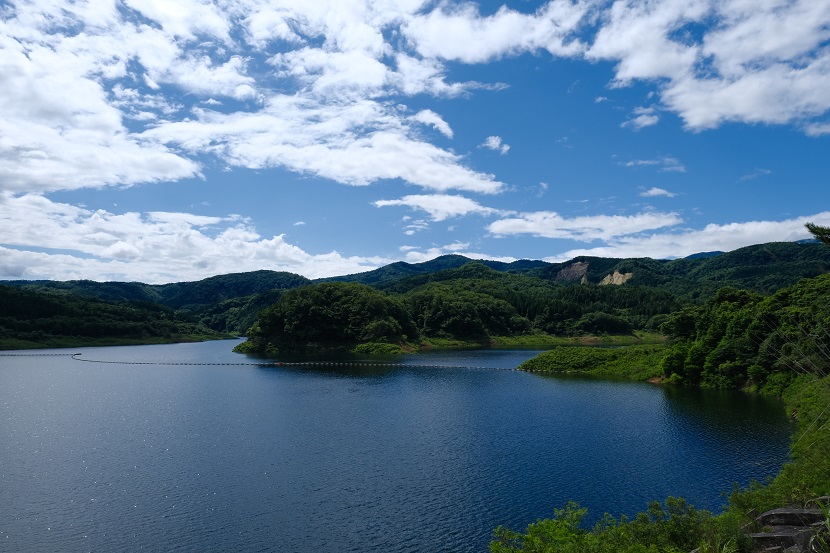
<point x="763" y="267"/>
<point x="177" y="295"/>
<point x="401" y="269"/>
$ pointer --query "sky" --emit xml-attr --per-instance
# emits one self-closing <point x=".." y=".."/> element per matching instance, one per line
<point x="165" y="141"/>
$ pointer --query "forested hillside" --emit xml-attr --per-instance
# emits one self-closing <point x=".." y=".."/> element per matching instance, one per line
<point x="178" y="295"/>
<point x="763" y="268"/>
<point x="741" y="339"/>
<point x="225" y="303"/>
<point x="38" y="318"/>
<point x="473" y="303"/>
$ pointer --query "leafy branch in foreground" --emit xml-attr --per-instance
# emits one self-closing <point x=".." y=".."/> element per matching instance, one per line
<point x="822" y="234"/>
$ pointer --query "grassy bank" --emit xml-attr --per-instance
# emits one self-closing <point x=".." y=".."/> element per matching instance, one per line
<point x="640" y="362"/>
<point x="542" y="341"/>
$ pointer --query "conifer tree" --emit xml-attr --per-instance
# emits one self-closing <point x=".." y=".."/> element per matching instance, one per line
<point x="821" y="233"/>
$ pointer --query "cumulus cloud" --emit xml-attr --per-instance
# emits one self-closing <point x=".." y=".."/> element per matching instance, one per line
<point x="98" y="97"/>
<point x="152" y="247"/>
<point x="439" y="206"/>
<point x="642" y="118"/>
<point x="750" y="62"/>
<point x="429" y="117"/>
<point x="654" y="192"/>
<point x="549" y="224"/>
<point x="495" y="143"/>
<point x="107" y="95"/>
<point x="460" y="33"/>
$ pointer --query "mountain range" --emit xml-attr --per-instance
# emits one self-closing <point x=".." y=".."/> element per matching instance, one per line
<point x="230" y="303"/>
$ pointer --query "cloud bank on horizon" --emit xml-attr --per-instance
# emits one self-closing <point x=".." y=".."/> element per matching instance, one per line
<point x="163" y="141"/>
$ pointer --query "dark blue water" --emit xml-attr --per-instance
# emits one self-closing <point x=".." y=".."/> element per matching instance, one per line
<point x="106" y="457"/>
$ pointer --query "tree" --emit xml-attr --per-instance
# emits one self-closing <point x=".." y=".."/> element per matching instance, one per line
<point x="822" y="234"/>
<point x="329" y="315"/>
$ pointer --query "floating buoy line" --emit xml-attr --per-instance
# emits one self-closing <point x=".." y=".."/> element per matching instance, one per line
<point x="321" y="364"/>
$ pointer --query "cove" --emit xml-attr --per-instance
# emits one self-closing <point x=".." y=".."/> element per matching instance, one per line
<point x="167" y="457"/>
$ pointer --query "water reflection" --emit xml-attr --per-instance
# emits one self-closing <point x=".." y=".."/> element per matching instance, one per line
<point x="402" y="459"/>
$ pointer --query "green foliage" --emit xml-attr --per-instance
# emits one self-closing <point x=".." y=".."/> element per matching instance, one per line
<point x="570" y="310"/>
<point x="635" y="362"/>
<point x="820" y="543"/>
<point x="329" y="315"/>
<point x="454" y="310"/>
<point x="481" y="300"/>
<point x="235" y="316"/>
<point x="740" y="339"/>
<point x="394" y="272"/>
<point x="378" y="348"/>
<point x="822" y="234"/>
<point x="672" y="527"/>
<point x="225" y="303"/>
<point x="807" y="475"/>
<point x="195" y="296"/>
<point x="763" y="268"/>
<point x="55" y="318"/>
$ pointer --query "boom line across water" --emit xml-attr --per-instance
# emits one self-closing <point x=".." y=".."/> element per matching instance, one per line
<point x="351" y="364"/>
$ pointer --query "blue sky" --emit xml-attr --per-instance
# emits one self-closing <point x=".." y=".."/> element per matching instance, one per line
<point x="167" y="141"/>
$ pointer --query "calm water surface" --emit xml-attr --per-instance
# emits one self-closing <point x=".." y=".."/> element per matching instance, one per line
<point x="162" y="457"/>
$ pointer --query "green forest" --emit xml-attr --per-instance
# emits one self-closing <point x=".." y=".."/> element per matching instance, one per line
<point x="54" y="318"/>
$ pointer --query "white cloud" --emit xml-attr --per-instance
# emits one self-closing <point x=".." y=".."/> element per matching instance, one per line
<point x="733" y="60"/>
<point x="713" y="237"/>
<point x="457" y="246"/>
<point x="356" y="143"/>
<point x="549" y="224"/>
<point x="756" y="173"/>
<point x="72" y="76"/>
<point x="461" y="33"/>
<point x="429" y="117"/>
<point x="666" y="164"/>
<point x="495" y="143"/>
<point x="75" y="74"/>
<point x="643" y="117"/>
<point x="439" y="206"/>
<point x="154" y="247"/>
<point x="415" y="226"/>
<point x="817" y="129"/>
<point x="654" y="192"/>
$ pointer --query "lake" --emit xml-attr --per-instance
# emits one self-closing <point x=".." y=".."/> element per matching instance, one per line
<point x="168" y="457"/>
